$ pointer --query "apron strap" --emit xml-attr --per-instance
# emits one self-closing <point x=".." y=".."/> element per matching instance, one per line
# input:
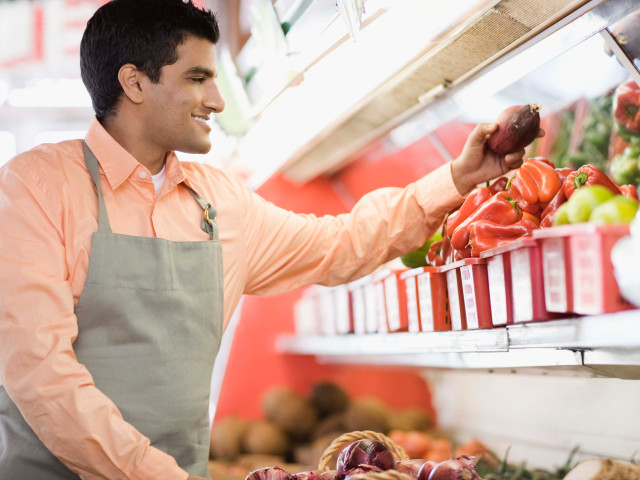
<point x="209" y="223"/>
<point x="92" y="164"/>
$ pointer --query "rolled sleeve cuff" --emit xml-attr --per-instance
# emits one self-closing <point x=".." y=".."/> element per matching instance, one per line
<point x="438" y="188"/>
<point x="158" y="465"/>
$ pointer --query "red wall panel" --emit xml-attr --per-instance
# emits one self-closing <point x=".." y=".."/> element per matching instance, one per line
<point x="375" y="169"/>
<point x="254" y="366"/>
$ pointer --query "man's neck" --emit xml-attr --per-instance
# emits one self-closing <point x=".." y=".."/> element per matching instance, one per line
<point x="132" y="142"/>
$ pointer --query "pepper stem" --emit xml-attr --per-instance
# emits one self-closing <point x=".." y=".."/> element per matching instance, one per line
<point x="579" y="180"/>
<point x="515" y="205"/>
<point x="508" y="186"/>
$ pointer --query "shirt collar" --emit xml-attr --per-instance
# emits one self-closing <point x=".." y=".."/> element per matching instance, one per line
<point x="118" y="164"/>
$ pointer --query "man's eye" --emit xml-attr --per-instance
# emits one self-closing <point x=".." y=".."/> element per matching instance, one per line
<point x="198" y="79"/>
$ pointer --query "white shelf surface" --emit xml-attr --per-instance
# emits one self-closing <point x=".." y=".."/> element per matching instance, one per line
<point x="599" y="345"/>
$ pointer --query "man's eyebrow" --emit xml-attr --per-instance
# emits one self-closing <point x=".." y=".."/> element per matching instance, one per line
<point x="200" y="71"/>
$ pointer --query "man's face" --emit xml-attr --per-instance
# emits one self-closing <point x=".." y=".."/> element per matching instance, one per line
<point x="179" y="107"/>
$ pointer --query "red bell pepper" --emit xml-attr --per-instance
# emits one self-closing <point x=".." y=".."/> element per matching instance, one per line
<point x="629" y="191"/>
<point x="535" y="183"/>
<point x="446" y="252"/>
<point x="553" y="205"/>
<point x="476" y="198"/>
<point x="461" y="254"/>
<point x="433" y="254"/>
<point x="499" y="185"/>
<point x="545" y="160"/>
<point x="585" y="176"/>
<point x="530" y="217"/>
<point x="500" y="209"/>
<point x="563" y="172"/>
<point x="547" y="221"/>
<point x="485" y="234"/>
<point x="626" y="105"/>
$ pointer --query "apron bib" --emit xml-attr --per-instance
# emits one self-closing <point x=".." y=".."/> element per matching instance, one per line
<point x="149" y="328"/>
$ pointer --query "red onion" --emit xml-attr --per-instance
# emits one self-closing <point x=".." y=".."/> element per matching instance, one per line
<point x="330" y="475"/>
<point x="425" y="469"/>
<point x="269" y="473"/>
<point x="310" y="475"/>
<point x="410" y="467"/>
<point x="365" y="452"/>
<point x="361" y="470"/>
<point x="461" y="468"/>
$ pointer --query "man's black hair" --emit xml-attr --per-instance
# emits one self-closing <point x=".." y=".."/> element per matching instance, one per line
<point x="145" y="33"/>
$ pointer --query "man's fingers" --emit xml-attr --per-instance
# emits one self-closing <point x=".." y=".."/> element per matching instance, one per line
<point x="480" y="133"/>
<point x="514" y="160"/>
<point x="488" y="128"/>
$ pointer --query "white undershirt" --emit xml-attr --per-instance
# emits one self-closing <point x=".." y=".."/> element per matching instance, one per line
<point x="158" y="179"/>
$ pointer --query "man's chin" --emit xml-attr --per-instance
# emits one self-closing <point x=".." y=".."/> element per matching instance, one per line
<point x="196" y="149"/>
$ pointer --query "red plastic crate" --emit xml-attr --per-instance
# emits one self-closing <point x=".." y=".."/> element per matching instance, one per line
<point x="342" y="308"/>
<point x="587" y="250"/>
<point x="391" y="301"/>
<point x="433" y="300"/>
<point x="556" y="269"/>
<point x="455" y="295"/>
<point x="517" y="294"/>
<point x="363" y="305"/>
<point x="409" y="278"/>
<point x="500" y="289"/>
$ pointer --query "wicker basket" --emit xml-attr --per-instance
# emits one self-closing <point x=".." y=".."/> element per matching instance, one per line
<point x="343" y="440"/>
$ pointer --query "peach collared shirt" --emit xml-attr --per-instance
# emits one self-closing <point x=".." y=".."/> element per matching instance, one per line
<point x="48" y="213"/>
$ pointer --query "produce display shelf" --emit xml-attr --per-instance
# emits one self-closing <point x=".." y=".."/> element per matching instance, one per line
<point x="599" y="345"/>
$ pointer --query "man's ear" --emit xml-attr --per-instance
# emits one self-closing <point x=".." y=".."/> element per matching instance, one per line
<point x="130" y="79"/>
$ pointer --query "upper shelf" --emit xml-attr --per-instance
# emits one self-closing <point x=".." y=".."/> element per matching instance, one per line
<point x="600" y="345"/>
<point x="340" y="119"/>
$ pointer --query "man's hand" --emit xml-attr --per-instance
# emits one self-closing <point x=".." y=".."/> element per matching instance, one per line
<point x="477" y="164"/>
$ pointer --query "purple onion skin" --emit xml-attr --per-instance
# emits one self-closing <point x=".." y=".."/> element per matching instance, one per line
<point x="310" y="475"/>
<point x="454" y="469"/>
<point x="365" y="452"/>
<point x="410" y="467"/>
<point x="330" y="475"/>
<point x="361" y="470"/>
<point x="426" y="469"/>
<point x="269" y="473"/>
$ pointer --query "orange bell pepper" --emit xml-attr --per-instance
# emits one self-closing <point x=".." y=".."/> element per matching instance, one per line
<point x="535" y="184"/>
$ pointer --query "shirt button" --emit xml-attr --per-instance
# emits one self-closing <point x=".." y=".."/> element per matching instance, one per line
<point x="142" y="174"/>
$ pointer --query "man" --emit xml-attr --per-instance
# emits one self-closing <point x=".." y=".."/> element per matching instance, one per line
<point x="113" y="281"/>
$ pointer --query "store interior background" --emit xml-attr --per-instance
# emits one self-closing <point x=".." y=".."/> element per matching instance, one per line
<point x="43" y="100"/>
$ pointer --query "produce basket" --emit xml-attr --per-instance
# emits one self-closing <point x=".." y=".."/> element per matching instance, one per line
<point x="343" y="440"/>
<point x="472" y="291"/>
<point x="577" y="269"/>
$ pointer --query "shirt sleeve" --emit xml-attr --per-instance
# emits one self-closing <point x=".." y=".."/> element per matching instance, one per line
<point x="286" y="250"/>
<point x="38" y="368"/>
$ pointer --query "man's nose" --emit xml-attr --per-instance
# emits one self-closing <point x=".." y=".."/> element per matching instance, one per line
<point x="214" y="99"/>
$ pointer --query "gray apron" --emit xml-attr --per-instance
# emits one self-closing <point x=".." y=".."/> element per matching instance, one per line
<point x="149" y="327"/>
